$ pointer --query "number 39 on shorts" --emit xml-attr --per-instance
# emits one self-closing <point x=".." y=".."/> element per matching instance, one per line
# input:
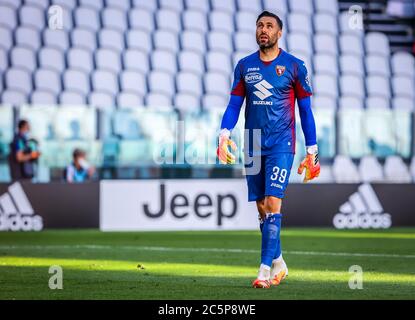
<point x="279" y="174"/>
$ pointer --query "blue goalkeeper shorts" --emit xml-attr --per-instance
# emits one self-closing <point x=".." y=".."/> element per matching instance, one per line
<point x="272" y="178"/>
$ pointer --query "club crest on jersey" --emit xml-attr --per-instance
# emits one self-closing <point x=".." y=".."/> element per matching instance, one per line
<point x="280" y="70"/>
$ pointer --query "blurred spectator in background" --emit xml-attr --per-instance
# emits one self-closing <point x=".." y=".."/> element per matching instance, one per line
<point x="79" y="170"/>
<point x="23" y="153"/>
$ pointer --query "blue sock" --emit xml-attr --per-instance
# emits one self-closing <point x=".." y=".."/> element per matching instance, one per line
<point x="278" y="252"/>
<point x="270" y="237"/>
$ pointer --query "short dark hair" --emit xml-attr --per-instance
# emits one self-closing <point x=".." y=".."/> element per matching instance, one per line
<point x="272" y="15"/>
<point x="22" y="123"/>
<point x="78" y="153"/>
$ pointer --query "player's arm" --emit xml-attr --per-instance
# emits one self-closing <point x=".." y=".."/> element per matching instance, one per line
<point x="230" y="118"/>
<point x="303" y="91"/>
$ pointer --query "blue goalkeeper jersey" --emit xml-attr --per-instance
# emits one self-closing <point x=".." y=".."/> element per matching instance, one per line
<point x="270" y="89"/>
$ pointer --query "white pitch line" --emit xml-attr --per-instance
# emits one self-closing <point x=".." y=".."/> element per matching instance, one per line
<point x="225" y="250"/>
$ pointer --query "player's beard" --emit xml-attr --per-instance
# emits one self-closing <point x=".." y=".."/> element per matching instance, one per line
<point x="270" y="44"/>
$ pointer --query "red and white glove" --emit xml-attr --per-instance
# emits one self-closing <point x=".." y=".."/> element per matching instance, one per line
<point x="311" y="164"/>
<point x="224" y="154"/>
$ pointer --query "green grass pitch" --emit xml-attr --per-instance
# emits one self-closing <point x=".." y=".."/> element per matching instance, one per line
<point x="205" y="265"/>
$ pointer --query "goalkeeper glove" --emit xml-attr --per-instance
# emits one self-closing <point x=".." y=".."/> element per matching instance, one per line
<point x="311" y="164"/>
<point x="224" y="154"/>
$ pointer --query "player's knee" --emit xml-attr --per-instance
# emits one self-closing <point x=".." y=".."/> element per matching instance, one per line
<point x="261" y="207"/>
<point x="272" y="204"/>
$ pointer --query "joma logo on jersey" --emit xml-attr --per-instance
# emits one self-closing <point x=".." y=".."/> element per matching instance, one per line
<point x="263" y="91"/>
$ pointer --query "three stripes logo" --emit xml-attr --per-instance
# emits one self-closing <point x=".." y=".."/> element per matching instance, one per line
<point x="16" y="212"/>
<point x="263" y="91"/>
<point x="362" y="210"/>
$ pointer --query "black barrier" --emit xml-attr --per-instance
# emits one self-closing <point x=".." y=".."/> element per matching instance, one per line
<point x="60" y="205"/>
<point x="63" y="205"/>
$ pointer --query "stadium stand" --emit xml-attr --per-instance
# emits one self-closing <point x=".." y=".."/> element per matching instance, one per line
<point x="119" y="55"/>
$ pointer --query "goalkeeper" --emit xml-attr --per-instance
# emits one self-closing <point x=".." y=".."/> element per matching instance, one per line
<point x="270" y="80"/>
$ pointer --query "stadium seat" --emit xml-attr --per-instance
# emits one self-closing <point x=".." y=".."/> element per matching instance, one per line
<point x="8" y="17"/>
<point x="377" y="65"/>
<point x="325" y="23"/>
<point x="323" y="103"/>
<point x="303" y="6"/>
<point x="71" y="98"/>
<point x="370" y="169"/>
<point x="166" y="40"/>
<point x="76" y="81"/>
<point x="245" y="41"/>
<point x="254" y="6"/>
<point x="246" y="21"/>
<point x="350" y="102"/>
<point x="129" y="100"/>
<point x="175" y="5"/>
<point x="186" y="102"/>
<point x="133" y="82"/>
<point x="162" y="60"/>
<point x="104" y="81"/>
<point x="102" y="100"/>
<point x="325" y="64"/>
<point x="344" y="170"/>
<point x="378" y="86"/>
<point x="56" y="39"/>
<point x="238" y="55"/>
<point x="403" y="64"/>
<point x="13" y="97"/>
<point x="396" y="170"/>
<point x="191" y="62"/>
<point x="4" y="61"/>
<point x="377" y="103"/>
<point x="109" y="60"/>
<point x="111" y="39"/>
<point x="403" y="103"/>
<point x="69" y="4"/>
<point x="19" y="80"/>
<point x="150" y="6"/>
<point x="221" y="21"/>
<point x="351" y="44"/>
<point x="80" y="59"/>
<point x="220" y="41"/>
<point x="157" y="99"/>
<point x="43" y="97"/>
<point x="87" y="18"/>
<point x="300" y="23"/>
<point x="195" y="20"/>
<point x="32" y="17"/>
<point x="218" y="62"/>
<point x="136" y="60"/>
<point x="327" y="6"/>
<point x="161" y="82"/>
<point x="140" y="40"/>
<point x="123" y="5"/>
<point x="84" y="39"/>
<point x="220" y="5"/>
<point x="189" y="83"/>
<point x="168" y="20"/>
<point x="352" y="86"/>
<point x="27" y="37"/>
<point x="23" y="58"/>
<point x="48" y="80"/>
<point x="351" y="65"/>
<point x="280" y="7"/>
<point x="351" y="26"/>
<point x="211" y="101"/>
<point x="299" y="42"/>
<point x="377" y="44"/>
<point x="6" y="37"/>
<point x="325" y="85"/>
<point x="325" y="43"/>
<point x="141" y="19"/>
<point x="216" y="83"/>
<point x="193" y="41"/>
<point x="403" y="87"/>
<point x="97" y="5"/>
<point x="197" y="5"/>
<point x="115" y="19"/>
